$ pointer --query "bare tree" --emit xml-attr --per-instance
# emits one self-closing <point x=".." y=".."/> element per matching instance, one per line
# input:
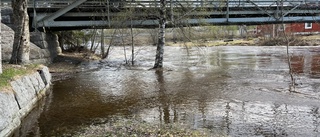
<point x="102" y="43"/>
<point x="292" y="87"/>
<point x="132" y="43"/>
<point x="93" y="38"/>
<point x="21" y="45"/>
<point x="161" y="38"/>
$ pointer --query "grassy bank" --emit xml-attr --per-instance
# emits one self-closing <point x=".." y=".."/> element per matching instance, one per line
<point x="10" y="72"/>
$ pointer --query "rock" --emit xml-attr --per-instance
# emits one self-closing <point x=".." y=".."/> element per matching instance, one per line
<point x="7" y="36"/>
<point x="41" y="44"/>
<point x="9" y="111"/>
<point x="38" y="83"/>
<point x="37" y="55"/>
<point x="24" y="91"/>
<point x="45" y="75"/>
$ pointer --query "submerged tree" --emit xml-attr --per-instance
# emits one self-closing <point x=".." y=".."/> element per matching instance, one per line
<point x="161" y="37"/>
<point x="21" y="44"/>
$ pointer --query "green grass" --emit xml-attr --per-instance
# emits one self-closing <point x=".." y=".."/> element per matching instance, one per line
<point x="10" y="72"/>
<point x="8" y="75"/>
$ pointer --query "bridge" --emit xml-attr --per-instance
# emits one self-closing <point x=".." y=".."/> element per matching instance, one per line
<point x="81" y="14"/>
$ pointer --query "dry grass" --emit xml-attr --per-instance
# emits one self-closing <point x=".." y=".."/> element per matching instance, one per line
<point x="281" y="41"/>
<point x="311" y="37"/>
<point x="236" y="42"/>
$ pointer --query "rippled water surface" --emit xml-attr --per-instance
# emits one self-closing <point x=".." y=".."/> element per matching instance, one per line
<point x="237" y="91"/>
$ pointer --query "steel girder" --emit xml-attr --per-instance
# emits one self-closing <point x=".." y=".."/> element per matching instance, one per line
<point x="231" y="12"/>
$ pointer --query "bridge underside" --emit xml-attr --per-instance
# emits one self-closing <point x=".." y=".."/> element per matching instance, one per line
<point x="80" y="14"/>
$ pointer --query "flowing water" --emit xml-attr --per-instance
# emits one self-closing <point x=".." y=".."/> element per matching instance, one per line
<point x="233" y="91"/>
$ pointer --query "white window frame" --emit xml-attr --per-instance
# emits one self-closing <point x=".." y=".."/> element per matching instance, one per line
<point x="308" y="25"/>
<point x="282" y="27"/>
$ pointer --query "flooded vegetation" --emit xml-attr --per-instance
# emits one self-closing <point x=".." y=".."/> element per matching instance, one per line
<point x="202" y="91"/>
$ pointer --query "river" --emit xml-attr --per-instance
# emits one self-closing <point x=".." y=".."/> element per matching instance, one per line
<point x="228" y="90"/>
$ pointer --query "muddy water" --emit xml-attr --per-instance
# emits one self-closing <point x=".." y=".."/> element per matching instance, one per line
<point x="235" y="91"/>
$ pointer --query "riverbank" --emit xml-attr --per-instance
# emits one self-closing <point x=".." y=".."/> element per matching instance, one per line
<point x="20" y="97"/>
<point x="307" y="40"/>
<point x="67" y="64"/>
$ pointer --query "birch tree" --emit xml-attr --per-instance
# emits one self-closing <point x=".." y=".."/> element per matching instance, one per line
<point x="21" y="44"/>
<point x="161" y="38"/>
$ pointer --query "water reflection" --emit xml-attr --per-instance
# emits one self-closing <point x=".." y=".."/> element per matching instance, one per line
<point x="236" y="91"/>
<point x="306" y="64"/>
<point x="315" y="65"/>
<point x="237" y="118"/>
<point x="163" y="98"/>
<point x="297" y="63"/>
<point x="30" y="125"/>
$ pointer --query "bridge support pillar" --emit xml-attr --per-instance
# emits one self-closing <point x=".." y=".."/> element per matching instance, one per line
<point x="46" y="41"/>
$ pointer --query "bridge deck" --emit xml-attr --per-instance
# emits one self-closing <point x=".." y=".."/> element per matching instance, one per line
<point x="77" y="14"/>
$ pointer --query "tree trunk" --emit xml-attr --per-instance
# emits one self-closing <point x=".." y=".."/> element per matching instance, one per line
<point x="161" y="38"/>
<point x="132" y="43"/>
<point x="61" y="41"/>
<point x="102" y="43"/>
<point x="93" y="38"/>
<point x="21" y="44"/>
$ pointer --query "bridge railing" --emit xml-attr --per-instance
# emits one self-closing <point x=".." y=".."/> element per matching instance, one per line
<point x="183" y="3"/>
<point x="5" y="4"/>
<point x="57" y="4"/>
<point x="176" y="3"/>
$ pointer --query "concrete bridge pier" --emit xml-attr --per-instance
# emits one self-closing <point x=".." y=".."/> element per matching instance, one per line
<point x="47" y="41"/>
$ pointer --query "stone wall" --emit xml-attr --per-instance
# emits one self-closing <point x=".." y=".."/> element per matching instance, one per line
<point x="17" y="102"/>
<point x="47" y="41"/>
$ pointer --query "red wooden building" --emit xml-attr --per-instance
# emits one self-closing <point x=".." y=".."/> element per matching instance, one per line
<point x="273" y="30"/>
